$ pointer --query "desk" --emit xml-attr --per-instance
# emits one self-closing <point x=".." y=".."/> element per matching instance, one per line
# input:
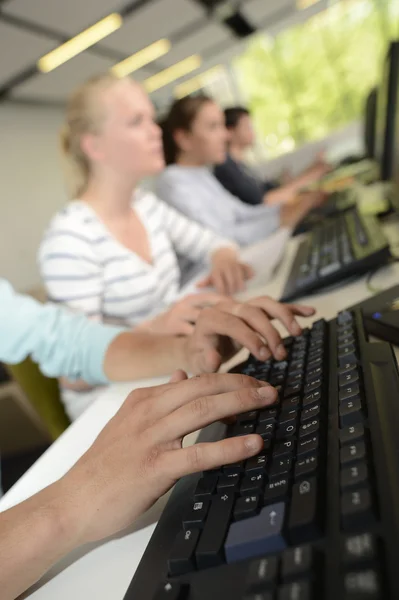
<point x="104" y="571"/>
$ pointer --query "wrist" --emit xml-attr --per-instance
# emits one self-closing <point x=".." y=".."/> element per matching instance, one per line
<point x="225" y="253"/>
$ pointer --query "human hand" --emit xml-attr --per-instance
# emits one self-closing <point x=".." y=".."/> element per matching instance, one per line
<point x="139" y="455"/>
<point x="219" y="330"/>
<point x="228" y="274"/>
<point x="293" y="213"/>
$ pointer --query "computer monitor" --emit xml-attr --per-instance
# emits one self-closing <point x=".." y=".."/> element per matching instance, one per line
<point x="388" y="98"/>
<point x="370" y="118"/>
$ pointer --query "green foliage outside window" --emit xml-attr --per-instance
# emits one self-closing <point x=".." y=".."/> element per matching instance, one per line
<point x="313" y="78"/>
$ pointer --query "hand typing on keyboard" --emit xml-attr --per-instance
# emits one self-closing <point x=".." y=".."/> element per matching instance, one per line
<point x="219" y="329"/>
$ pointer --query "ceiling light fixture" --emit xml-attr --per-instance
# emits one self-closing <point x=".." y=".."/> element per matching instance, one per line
<point x="196" y="83"/>
<point x="142" y="58"/>
<point x="172" y="73"/>
<point x="79" y="43"/>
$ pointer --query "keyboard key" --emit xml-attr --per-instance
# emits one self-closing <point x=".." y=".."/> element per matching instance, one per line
<point x="290" y="403"/>
<point x="281" y="466"/>
<point x="310" y="413"/>
<point x="299" y="590"/>
<point x="242" y="429"/>
<point x="268" y="414"/>
<point x="307" y="444"/>
<point x="196" y="514"/>
<point x="277" y="379"/>
<point x="252" y="483"/>
<point x="259" y="535"/>
<point x="265" y="429"/>
<point x="359" y="549"/>
<point x="305" y="466"/>
<point x="172" y="591"/>
<point x="317" y="362"/>
<point x="206" y="485"/>
<point x="279" y="366"/>
<point x="282" y="448"/>
<point x="256" y="464"/>
<point x="246" y="507"/>
<point x="262" y="573"/>
<point x="309" y="428"/>
<point x="296" y="561"/>
<point x="292" y="390"/>
<point x="347" y="368"/>
<point x="286" y="429"/>
<point x="351" y="434"/>
<point x="276" y="490"/>
<point x="354" y="476"/>
<point x="348" y="378"/>
<point x="349" y="391"/>
<point x="356" y="509"/>
<point x="181" y="559"/>
<point x="343" y="333"/>
<point x="345" y="340"/>
<point x="288" y="415"/>
<point x="210" y="546"/>
<point x="350" y="412"/>
<point x="313" y="386"/>
<point x="347" y="354"/>
<point x="296" y="365"/>
<point x="314" y="373"/>
<point x="303" y="523"/>
<point x="247" y="417"/>
<point x="312" y="398"/>
<point x="352" y="452"/>
<point x="345" y="317"/>
<point x="362" y="585"/>
<point x="294" y="379"/>
<point x="232" y="480"/>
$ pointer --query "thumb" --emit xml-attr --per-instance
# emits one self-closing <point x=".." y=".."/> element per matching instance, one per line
<point x="177" y="376"/>
<point x="210" y="360"/>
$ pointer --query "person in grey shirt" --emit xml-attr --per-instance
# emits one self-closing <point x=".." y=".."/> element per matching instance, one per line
<point x="195" y="139"/>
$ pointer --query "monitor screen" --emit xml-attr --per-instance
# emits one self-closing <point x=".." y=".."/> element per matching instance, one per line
<point x="387" y="101"/>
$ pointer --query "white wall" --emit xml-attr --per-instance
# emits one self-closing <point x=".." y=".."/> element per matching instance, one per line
<point x="31" y="187"/>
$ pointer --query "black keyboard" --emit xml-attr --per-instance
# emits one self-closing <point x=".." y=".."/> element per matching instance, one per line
<point x="315" y="516"/>
<point x="347" y="245"/>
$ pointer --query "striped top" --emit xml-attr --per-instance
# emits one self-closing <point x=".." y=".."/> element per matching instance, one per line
<point x="86" y="268"/>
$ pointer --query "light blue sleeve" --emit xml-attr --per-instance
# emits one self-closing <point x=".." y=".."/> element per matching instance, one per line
<point x="61" y="342"/>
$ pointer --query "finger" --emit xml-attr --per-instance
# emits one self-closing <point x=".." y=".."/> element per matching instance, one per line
<point x="202" y="457"/>
<point x="257" y="319"/>
<point x="279" y="311"/>
<point x="215" y="321"/>
<point x="219" y="282"/>
<point x="249" y="272"/>
<point x="206" y="299"/>
<point x="177" y="376"/>
<point x="175" y="396"/>
<point x="184" y="328"/>
<point x="191" y="314"/>
<point x="239" y="278"/>
<point x="205" y="410"/>
<point x="303" y="311"/>
<point x="206" y="282"/>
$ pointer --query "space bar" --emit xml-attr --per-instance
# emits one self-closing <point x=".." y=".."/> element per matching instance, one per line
<point x="331" y="268"/>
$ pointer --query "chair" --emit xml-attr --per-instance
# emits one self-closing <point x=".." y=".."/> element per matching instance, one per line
<point x="43" y="394"/>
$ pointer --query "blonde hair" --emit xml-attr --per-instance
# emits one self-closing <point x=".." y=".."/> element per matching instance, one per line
<point x="83" y="115"/>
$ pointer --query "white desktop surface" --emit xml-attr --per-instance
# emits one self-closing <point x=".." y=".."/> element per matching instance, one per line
<point x="105" y="570"/>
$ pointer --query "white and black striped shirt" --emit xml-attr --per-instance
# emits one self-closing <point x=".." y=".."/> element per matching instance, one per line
<point x="86" y="268"/>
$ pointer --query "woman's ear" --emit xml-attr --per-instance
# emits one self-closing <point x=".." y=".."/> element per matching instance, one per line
<point x="91" y="147"/>
<point x="182" y="139"/>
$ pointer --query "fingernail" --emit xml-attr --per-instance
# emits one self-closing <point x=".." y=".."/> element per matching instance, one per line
<point x="265" y="391"/>
<point x="264" y="353"/>
<point x="253" y="443"/>
<point x="281" y="352"/>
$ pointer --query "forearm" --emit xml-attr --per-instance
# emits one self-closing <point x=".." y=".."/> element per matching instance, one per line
<point x="33" y="536"/>
<point x="138" y="355"/>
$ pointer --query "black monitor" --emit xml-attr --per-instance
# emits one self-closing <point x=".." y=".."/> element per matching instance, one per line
<point x="387" y="101"/>
<point x="370" y="118"/>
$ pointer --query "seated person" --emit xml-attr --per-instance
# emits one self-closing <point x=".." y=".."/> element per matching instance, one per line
<point x="195" y="140"/>
<point x="139" y="454"/>
<point x="112" y="252"/>
<point x="241" y="181"/>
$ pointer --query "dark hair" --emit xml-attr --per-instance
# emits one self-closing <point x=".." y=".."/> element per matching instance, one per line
<point x="182" y="115"/>
<point x="233" y="115"/>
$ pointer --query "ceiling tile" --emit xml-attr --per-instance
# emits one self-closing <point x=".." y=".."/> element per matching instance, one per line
<point x="258" y="11"/>
<point x="159" y="19"/>
<point x="18" y="50"/>
<point x="204" y="38"/>
<point x="69" y="16"/>
<point x="58" y="84"/>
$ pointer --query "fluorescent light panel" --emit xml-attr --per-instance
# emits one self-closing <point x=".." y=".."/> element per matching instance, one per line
<point x="302" y="4"/>
<point x="196" y="83"/>
<point x="172" y="73"/>
<point x="79" y="43"/>
<point x="142" y="58"/>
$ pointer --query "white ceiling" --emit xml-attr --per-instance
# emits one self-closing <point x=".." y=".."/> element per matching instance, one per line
<point x="38" y="24"/>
